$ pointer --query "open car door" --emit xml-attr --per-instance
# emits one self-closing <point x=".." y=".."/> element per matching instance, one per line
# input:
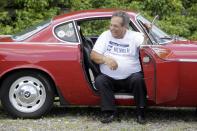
<point x="161" y="75"/>
<point x="148" y="67"/>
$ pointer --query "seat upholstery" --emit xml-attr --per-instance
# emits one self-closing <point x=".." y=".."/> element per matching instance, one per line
<point x="87" y="46"/>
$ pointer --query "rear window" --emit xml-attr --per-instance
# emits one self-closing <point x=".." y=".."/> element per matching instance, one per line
<point x="31" y="31"/>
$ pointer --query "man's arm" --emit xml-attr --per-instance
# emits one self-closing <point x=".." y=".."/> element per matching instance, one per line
<point x="97" y="57"/>
<point x="101" y="59"/>
<point x="145" y="40"/>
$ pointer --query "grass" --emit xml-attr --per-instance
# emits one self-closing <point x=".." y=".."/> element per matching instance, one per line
<point x="87" y="119"/>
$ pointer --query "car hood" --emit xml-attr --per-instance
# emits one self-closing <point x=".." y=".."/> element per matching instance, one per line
<point x="184" y="42"/>
<point x="177" y="50"/>
<point x="193" y="42"/>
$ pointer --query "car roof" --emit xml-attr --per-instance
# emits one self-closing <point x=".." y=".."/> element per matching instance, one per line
<point x="90" y="13"/>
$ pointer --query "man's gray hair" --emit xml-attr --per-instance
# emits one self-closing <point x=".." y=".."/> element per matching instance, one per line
<point x="124" y="16"/>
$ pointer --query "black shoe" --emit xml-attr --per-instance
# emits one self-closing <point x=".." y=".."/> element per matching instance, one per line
<point x="141" y="116"/>
<point x="109" y="117"/>
<point x="141" y="119"/>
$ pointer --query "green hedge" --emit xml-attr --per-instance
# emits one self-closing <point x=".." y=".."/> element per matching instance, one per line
<point x="176" y="16"/>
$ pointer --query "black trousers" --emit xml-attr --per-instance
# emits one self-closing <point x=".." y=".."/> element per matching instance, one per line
<point x="108" y="86"/>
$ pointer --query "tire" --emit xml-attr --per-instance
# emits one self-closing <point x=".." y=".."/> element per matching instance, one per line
<point x="27" y="94"/>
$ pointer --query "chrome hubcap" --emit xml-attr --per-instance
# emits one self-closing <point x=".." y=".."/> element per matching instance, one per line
<point x="27" y="94"/>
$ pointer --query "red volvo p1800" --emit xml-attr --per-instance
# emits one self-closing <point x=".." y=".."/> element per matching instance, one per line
<point x="52" y="60"/>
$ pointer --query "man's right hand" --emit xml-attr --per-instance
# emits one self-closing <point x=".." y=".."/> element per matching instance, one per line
<point x="101" y="59"/>
<point x="110" y="62"/>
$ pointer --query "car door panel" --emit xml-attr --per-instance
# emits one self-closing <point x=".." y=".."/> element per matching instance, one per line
<point x="148" y="67"/>
<point x="161" y="76"/>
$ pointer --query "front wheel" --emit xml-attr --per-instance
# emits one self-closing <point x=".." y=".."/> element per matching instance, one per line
<point x="27" y="94"/>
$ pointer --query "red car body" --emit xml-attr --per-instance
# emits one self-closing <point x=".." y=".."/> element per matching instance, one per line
<point x="169" y="68"/>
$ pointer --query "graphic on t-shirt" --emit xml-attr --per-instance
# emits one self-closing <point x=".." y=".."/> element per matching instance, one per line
<point x="120" y="49"/>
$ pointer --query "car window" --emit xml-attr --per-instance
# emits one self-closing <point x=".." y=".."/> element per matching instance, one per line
<point x="156" y="34"/>
<point x="66" y="32"/>
<point x="31" y="31"/>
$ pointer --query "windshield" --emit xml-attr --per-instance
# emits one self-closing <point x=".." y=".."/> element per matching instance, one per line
<point x="156" y="34"/>
<point x="30" y="31"/>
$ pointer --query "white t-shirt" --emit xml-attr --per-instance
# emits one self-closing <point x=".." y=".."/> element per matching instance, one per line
<point x="124" y="51"/>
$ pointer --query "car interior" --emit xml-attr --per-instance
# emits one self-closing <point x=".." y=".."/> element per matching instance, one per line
<point x="88" y="39"/>
<point x="91" y="68"/>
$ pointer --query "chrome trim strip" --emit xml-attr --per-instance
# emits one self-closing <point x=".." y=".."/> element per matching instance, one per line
<point x="118" y="96"/>
<point x="124" y="97"/>
<point x="187" y="60"/>
<point x="41" y="43"/>
<point x="92" y="17"/>
<point x="141" y="46"/>
<point x="76" y="31"/>
<point x="138" y="26"/>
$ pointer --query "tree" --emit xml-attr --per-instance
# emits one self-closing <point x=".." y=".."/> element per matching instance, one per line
<point x="176" y="16"/>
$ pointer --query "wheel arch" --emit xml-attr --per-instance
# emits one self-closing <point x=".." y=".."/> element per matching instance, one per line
<point x="44" y="73"/>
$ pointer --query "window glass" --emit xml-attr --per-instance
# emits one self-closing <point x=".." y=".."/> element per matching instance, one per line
<point x="31" y="31"/>
<point x="156" y="34"/>
<point x="66" y="32"/>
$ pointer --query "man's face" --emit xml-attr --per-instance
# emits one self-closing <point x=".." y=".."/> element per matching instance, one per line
<point x="116" y="27"/>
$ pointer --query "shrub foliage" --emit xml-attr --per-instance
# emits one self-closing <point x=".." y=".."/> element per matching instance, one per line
<point x="176" y="16"/>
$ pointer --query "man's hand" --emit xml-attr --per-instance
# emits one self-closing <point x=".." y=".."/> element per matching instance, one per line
<point x="148" y="26"/>
<point x="110" y="62"/>
<point x="101" y="59"/>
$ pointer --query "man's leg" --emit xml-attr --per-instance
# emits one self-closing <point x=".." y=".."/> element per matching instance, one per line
<point x="105" y="86"/>
<point x="137" y="84"/>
